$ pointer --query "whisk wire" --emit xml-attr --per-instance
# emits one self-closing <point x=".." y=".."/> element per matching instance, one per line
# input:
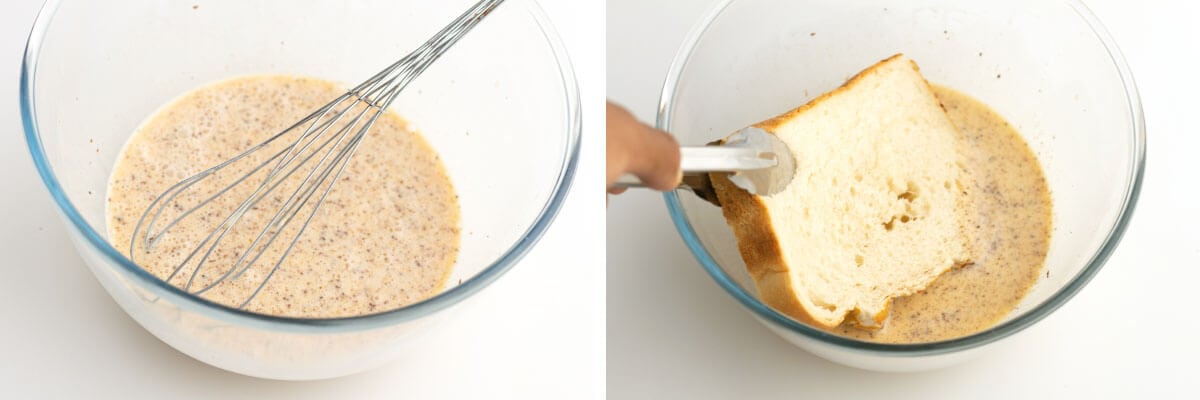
<point x="278" y="222"/>
<point x="232" y="219"/>
<point x="320" y="136"/>
<point x="182" y="186"/>
<point x="344" y="157"/>
<point x="261" y="194"/>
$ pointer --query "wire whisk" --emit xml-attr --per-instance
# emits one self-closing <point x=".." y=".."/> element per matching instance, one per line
<point x="327" y="140"/>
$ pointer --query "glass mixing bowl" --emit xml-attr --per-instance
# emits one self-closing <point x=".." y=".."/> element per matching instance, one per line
<point x="1048" y="66"/>
<point x="501" y="109"/>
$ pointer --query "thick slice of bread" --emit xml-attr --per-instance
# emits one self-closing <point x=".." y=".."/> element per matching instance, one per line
<point x="876" y="208"/>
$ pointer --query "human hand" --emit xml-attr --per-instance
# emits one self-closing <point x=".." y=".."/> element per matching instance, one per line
<point x="639" y="149"/>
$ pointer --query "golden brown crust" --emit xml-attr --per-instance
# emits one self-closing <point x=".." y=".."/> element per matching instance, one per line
<point x="747" y="215"/>
<point x="750" y="221"/>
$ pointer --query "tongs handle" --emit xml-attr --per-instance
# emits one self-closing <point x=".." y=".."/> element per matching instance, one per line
<point x="704" y="159"/>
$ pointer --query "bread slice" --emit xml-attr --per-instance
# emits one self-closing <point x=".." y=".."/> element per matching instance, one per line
<point x="875" y="211"/>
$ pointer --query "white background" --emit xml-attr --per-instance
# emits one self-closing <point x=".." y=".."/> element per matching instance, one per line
<point x="1132" y="332"/>
<point x="536" y="333"/>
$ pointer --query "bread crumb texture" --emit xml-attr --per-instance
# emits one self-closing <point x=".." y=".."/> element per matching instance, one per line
<point x="882" y="204"/>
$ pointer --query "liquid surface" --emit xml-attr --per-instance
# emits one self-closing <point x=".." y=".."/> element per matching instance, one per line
<point x="386" y="236"/>
<point x="1009" y="230"/>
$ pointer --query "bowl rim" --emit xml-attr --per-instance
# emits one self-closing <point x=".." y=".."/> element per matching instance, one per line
<point x="572" y="128"/>
<point x="768" y="315"/>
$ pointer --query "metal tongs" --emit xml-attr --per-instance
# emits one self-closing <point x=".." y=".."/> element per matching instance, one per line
<point x="756" y="160"/>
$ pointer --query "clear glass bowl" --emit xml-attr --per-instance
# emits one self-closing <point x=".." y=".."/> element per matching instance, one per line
<point x="1048" y="66"/>
<point x="501" y="108"/>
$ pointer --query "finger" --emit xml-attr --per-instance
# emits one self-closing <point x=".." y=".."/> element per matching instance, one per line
<point x="654" y="158"/>
<point x="617" y="190"/>
<point x="621" y="129"/>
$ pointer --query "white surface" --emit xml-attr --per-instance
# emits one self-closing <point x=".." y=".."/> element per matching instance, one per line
<point x="527" y="336"/>
<point x="672" y="330"/>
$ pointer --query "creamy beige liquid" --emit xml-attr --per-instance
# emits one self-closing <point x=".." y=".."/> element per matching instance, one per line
<point x="1010" y="230"/>
<point x="386" y="236"/>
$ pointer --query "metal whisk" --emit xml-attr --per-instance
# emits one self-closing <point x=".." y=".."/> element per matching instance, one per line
<point x="360" y="106"/>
